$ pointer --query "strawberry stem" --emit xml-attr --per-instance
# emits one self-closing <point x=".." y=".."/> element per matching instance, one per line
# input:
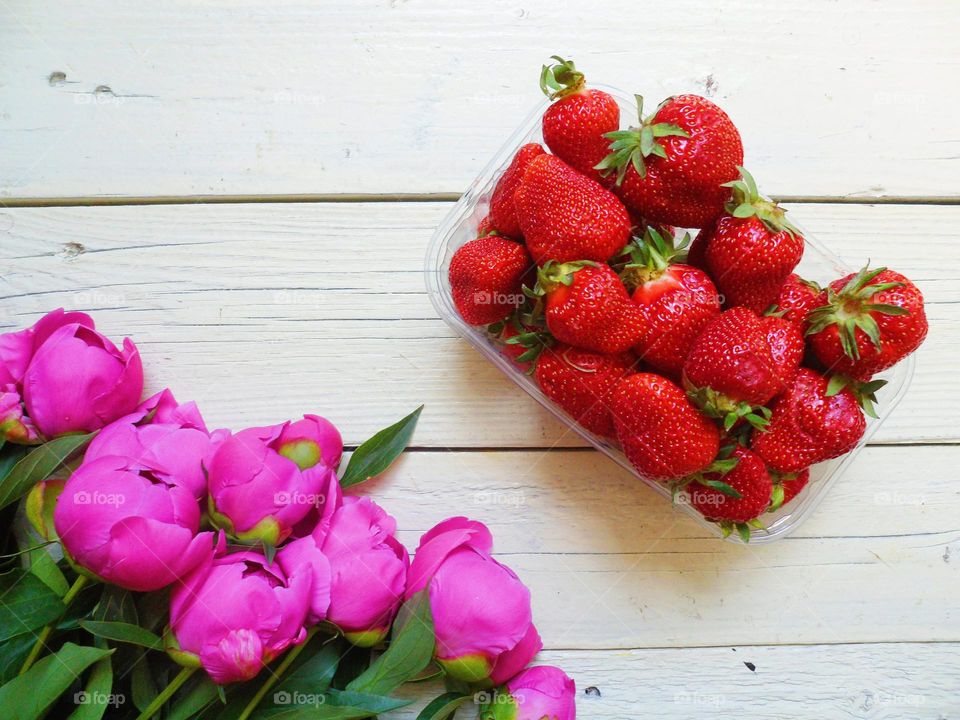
<point x="561" y="79"/>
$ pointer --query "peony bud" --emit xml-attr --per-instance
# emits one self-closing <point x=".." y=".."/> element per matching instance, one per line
<point x="126" y="528"/>
<point x="359" y="570"/>
<point x="543" y="692"/>
<point x="255" y="493"/>
<point x="16" y="351"/>
<point x="481" y="610"/>
<point x="162" y="438"/>
<point x="78" y="381"/>
<point x="311" y="441"/>
<point x="234" y="614"/>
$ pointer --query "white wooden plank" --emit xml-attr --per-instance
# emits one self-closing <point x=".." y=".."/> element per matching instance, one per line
<point x="173" y="98"/>
<point x="612" y="565"/>
<point x="266" y="311"/>
<point x="829" y="682"/>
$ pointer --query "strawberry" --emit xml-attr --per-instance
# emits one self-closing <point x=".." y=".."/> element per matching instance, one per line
<point x="575" y="125"/>
<point x="486" y="227"/>
<point x="661" y="433"/>
<point x="677" y="301"/>
<point x="867" y="322"/>
<point x="786" y="346"/>
<point x="737" y="496"/>
<point x="786" y="486"/>
<point x="486" y="278"/>
<point x="797" y="297"/>
<point x="519" y="342"/>
<point x="588" y="306"/>
<point x="581" y="382"/>
<point x="565" y="216"/>
<point x="503" y="213"/>
<point x="673" y="168"/>
<point x="808" y="426"/>
<point x="751" y="249"/>
<point x="730" y="371"/>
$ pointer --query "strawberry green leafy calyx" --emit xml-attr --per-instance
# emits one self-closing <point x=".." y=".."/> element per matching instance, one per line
<point x="561" y="78"/>
<point x="864" y="392"/>
<point x="717" y="405"/>
<point x="629" y="148"/>
<point x="852" y="307"/>
<point x="786" y="486"/>
<point x="649" y="257"/>
<point x="745" y="201"/>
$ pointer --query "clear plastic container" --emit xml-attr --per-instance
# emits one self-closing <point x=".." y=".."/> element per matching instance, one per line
<point x="459" y="226"/>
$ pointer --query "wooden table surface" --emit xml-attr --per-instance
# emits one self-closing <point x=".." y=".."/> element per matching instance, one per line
<point x="248" y="190"/>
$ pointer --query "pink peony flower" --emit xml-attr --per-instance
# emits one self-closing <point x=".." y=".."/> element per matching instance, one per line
<point x="257" y="494"/>
<point x="310" y="441"/>
<point x="234" y="614"/>
<point x="358" y="567"/>
<point x="481" y="610"/>
<point x="543" y="692"/>
<point x="128" y="529"/>
<point x="70" y="377"/>
<point x="166" y="440"/>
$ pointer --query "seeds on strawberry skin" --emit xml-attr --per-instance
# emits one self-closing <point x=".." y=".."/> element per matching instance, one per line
<point x="730" y="371"/>
<point x="486" y="277"/>
<point x="588" y="306"/>
<point x="565" y="216"/>
<point x="751" y="249"/>
<point x="808" y="426"/>
<point x="797" y="297"/>
<point x="867" y="322"/>
<point x="737" y="496"/>
<point x="503" y="213"/>
<point x="673" y="167"/>
<point x="581" y="382"/>
<point x="660" y="431"/>
<point x="574" y="126"/>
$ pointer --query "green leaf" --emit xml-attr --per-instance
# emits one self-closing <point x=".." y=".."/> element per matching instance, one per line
<point x="836" y="384"/>
<point x="316" y="672"/>
<point x="34" y="691"/>
<point x="374" y="704"/>
<point x="39" y="465"/>
<point x="375" y="455"/>
<point x="443" y="706"/>
<point x="11" y="455"/>
<point x="776" y="498"/>
<point x="96" y="696"/>
<point x="143" y="684"/>
<point x="46" y="568"/>
<point x="202" y="694"/>
<point x="723" y="487"/>
<point x="744" y="210"/>
<point x="743" y="530"/>
<point x="123" y="632"/>
<point x="13" y="653"/>
<point x="26" y="604"/>
<point x="410" y="652"/>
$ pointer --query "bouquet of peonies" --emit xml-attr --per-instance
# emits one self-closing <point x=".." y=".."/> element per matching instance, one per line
<point x="155" y="568"/>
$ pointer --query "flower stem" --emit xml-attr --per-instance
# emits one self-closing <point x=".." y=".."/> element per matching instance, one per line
<point x="275" y="675"/>
<point x="158" y="702"/>
<point x="47" y="631"/>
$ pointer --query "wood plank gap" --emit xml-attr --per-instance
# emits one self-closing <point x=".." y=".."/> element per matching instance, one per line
<point x="93" y="201"/>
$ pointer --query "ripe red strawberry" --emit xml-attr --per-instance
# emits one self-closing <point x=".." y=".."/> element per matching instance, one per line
<point x="867" y="322"/>
<point x="796" y="298"/>
<point x="730" y="370"/>
<point x="588" y="306"/>
<point x="736" y="497"/>
<point x="565" y="216"/>
<point x="503" y="213"/>
<point x="672" y="169"/>
<point x="486" y="277"/>
<point x="661" y="433"/>
<point x="581" y="382"/>
<point x="751" y="249"/>
<point x="808" y="426"/>
<point x="677" y="301"/>
<point x="786" y="346"/>
<point x="786" y="486"/>
<point x="522" y="344"/>
<point x="575" y="125"/>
